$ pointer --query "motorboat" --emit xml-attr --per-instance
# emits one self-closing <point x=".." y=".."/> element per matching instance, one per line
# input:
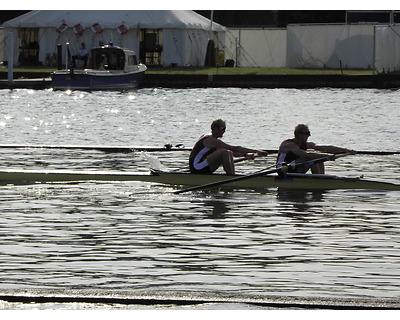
<point x="111" y="68"/>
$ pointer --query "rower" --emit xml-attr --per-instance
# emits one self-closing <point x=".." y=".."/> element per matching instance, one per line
<point x="209" y="153"/>
<point x="292" y="151"/>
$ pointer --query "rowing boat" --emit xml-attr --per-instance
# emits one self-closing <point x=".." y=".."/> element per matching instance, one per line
<point x="291" y="181"/>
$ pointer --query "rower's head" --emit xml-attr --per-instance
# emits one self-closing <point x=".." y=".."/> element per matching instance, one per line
<point x="218" y="126"/>
<point x="301" y="130"/>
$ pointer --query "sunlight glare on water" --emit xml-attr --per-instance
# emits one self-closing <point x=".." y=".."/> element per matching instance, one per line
<point x="139" y="236"/>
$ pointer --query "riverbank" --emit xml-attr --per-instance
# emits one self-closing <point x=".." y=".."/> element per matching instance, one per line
<point x="41" y="80"/>
<point x="272" y="81"/>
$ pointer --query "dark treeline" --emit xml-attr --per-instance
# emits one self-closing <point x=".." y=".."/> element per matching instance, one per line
<point x="266" y="18"/>
<point x="277" y="18"/>
<point x="246" y="18"/>
<point x="10" y="14"/>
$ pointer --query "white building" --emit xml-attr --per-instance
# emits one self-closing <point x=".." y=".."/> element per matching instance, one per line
<point x="256" y="48"/>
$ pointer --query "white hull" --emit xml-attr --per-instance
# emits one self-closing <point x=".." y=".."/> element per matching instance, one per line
<point x="295" y="181"/>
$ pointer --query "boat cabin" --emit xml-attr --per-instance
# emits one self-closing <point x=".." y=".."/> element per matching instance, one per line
<point x="113" y="58"/>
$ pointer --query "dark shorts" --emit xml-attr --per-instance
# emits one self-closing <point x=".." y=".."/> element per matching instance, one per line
<point x="291" y="169"/>
<point x="205" y="170"/>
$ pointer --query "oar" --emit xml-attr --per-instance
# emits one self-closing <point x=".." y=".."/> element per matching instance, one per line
<point x="257" y="174"/>
<point x="378" y="153"/>
<point x="108" y="149"/>
<point x="372" y="152"/>
<point x="128" y="149"/>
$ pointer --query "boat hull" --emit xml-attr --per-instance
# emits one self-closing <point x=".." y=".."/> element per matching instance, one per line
<point x="96" y="80"/>
<point x="298" y="181"/>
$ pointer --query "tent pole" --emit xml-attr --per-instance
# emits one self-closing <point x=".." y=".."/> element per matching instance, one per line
<point x="374" y="52"/>
<point x="10" y="58"/>
<point x="66" y="55"/>
<point x="211" y="24"/>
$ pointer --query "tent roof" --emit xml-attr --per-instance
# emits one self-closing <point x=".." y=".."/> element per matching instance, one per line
<point x="152" y="19"/>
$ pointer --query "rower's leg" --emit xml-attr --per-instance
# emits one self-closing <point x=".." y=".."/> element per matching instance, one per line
<point x="222" y="157"/>
<point x="302" y="169"/>
<point x="228" y="163"/>
<point x="318" y="168"/>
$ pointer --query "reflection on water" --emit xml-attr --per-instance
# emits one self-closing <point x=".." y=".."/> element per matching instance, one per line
<point x="140" y="236"/>
<point x="215" y="209"/>
<point x="301" y="200"/>
<point x="137" y="236"/>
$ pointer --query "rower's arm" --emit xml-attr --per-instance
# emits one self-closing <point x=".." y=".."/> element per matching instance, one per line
<point x="294" y="148"/>
<point x="289" y="146"/>
<point x="333" y="149"/>
<point x="239" y="151"/>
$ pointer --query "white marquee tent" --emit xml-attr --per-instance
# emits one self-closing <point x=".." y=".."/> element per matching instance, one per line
<point x="179" y="36"/>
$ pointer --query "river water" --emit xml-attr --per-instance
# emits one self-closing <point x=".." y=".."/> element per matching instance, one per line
<point x="139" y="237"/>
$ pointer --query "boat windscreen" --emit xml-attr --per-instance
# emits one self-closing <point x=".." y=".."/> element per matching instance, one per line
<point x="107" y="59"/>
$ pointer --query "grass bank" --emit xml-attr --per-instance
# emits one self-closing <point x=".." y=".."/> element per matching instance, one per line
<point x="257" y="71"/>
<point x="224" y="70"/>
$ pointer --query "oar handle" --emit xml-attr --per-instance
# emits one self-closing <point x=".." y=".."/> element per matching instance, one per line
<point x="340" y="155"/>
<point x="245" y="158"/>
<point x="240" y="160"/>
